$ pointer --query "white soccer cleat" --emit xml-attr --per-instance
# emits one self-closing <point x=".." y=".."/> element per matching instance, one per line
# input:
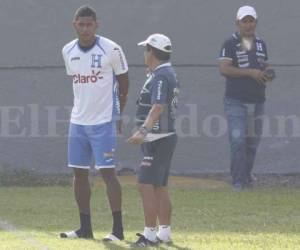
<point x="76" y="234"/>
<point x="71" y="235"/>
<point x="111" y="237"/>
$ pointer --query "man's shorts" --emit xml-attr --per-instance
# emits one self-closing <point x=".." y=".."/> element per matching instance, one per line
<point x="86" y="141"/>
<point x="155" y="166"/>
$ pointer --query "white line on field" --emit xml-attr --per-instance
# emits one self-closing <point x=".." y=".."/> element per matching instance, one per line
<point x="5" y="225"/>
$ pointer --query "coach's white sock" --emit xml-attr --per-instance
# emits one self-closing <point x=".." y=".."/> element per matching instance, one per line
<point x="150" y="233"/>
<point x="164" y="233"/>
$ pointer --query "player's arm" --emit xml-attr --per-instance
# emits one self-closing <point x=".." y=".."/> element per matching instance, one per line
<point x="227" y="69"/>
<point x="123" y="81"/>
<point x="120" y="67"/>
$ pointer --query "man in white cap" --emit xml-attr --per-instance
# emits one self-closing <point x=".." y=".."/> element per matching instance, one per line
<point x="156" y="108"/>
<point x="243" y="61"/>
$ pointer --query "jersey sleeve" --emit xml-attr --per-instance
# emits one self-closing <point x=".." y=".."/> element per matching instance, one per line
<point x="226" y="52"/>
<point x="159" y="90"/>
<point x="118" y="60"/>
<point x="68" y="71"/>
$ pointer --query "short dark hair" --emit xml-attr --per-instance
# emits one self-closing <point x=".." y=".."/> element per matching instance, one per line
<point x="85" y="11"/>
<point x="159" y="54"/>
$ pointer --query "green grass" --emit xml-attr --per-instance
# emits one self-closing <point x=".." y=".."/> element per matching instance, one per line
<point x="204" y="217"/>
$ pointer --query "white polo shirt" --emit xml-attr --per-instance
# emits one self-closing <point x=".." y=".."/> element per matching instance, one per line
<point x="94" y="84"/>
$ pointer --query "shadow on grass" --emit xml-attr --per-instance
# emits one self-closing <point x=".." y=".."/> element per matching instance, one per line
<point x="175" y="246"/>
<point x="161" y="246"/>
<point x="111" y="245"/>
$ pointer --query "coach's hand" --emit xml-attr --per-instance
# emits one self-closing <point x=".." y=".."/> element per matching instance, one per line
<point x="258" y="76"/>
<point x="137" y="138"/>
<point x="270" y="74"/>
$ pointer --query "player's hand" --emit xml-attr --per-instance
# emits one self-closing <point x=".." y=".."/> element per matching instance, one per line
<point x="137" y="138"/>
<point x="119" y="127"/>
<point x="258" y="76"/>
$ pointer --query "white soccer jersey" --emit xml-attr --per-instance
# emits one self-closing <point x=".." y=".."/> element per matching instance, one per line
<point x="94" y="84"/>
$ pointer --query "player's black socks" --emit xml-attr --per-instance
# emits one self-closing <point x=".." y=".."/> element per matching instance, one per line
<point x="117" y="225"/>
<point x="85" y="230"/>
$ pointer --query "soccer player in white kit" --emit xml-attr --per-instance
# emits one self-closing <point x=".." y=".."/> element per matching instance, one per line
<point x="100" y="84"/>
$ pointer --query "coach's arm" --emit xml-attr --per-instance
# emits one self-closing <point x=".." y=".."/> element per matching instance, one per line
<point x="153" y="116"/>
<point x="227" y="69"/>
<point x="123" y="81"/>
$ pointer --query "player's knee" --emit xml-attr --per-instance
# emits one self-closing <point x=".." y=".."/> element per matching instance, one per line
<point x="108" y="175"/>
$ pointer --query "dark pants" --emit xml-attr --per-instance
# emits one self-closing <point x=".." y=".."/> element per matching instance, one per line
<point x="244" y="128"/>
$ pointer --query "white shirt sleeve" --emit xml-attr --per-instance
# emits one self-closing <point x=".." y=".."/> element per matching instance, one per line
<point x="68" y="71"/>
<point x="118" y="60"/>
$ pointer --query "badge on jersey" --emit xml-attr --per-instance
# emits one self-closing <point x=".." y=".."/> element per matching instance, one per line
<point x="96" y="61"/>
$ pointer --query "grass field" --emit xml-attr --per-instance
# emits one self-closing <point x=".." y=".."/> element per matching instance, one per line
<point x="207" y="215"/>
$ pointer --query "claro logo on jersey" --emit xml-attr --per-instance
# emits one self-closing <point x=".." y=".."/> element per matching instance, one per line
<point x="93" y="78"/>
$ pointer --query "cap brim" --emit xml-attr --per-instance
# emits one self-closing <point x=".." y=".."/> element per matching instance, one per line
<point x="143" y="43"/>
<point x="243" y="16"/>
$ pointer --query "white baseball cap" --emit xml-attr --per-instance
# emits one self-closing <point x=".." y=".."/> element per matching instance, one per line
<point x="158" y="41"/>
<point x="246" y="11"/>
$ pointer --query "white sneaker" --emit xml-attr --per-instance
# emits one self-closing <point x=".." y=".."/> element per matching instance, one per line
<point x="71" y="235"/>
<point x="74" y="235"/>
<point x="111" y="237"/>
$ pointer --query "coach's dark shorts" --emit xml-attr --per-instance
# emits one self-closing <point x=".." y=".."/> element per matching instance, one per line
<point x="155" y="166"/>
